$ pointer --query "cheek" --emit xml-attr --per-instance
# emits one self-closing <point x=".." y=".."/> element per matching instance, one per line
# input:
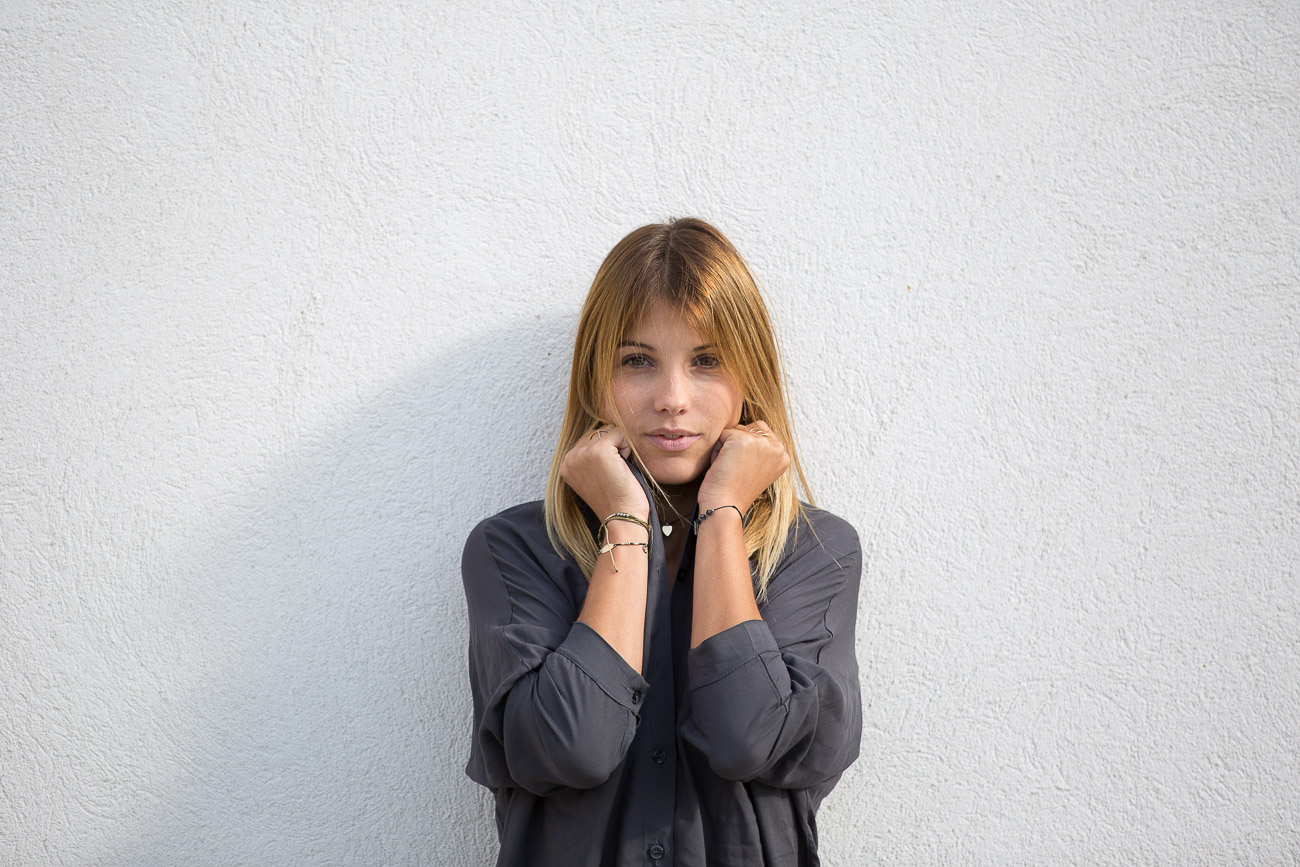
<point x="734" y="402"/>
<point x="620" y="396"/>
<point x="727" y="399"/>
<point x="607" y="406"/>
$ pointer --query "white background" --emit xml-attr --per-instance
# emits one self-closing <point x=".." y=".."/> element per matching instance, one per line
<point x="287" y="294"/>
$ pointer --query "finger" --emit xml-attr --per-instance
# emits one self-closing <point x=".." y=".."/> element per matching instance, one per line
<point x="600" y="433"/>
<point x="762" y="430"/>
<point x="619" y="441"/>
<point x="613" y="438"/>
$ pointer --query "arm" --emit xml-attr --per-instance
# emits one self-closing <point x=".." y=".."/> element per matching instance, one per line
<point x="554" y="704"/>
<point x="597" y="472"/>
<point x="724" y="589"/>
<point x="615" y="604"/>
<point x="557" y="691"/>
<point x="777" y="700"/>
<point x="746" y="461"/>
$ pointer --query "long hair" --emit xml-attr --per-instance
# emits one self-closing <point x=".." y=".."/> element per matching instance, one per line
<point x="693" y="268"/>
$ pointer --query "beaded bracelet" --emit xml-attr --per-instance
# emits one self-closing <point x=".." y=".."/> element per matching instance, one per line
<point x="620" y="516"/>
<point x="700" y="520"/>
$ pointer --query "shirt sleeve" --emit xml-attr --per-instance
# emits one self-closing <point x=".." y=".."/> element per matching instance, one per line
<point x="554" y="705"/>
<point x="777" y="700"/>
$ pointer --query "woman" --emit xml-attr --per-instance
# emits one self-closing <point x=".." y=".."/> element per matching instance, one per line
<point x="661" y="653"/>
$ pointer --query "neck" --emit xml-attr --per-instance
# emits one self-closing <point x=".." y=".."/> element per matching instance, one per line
<point x="680" y="501"/>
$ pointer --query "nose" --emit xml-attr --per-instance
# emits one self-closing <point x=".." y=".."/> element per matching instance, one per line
<point x="674" y="393"/>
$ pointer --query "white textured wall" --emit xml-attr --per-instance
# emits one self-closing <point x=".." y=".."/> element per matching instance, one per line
<point x="286" y="293"/>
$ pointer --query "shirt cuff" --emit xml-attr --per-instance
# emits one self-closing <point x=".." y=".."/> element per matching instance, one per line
<point x="731" y="649"/>
<point x="591" y="653"/>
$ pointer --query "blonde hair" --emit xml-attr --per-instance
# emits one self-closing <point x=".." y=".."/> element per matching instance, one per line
<point x="692" y="267"/>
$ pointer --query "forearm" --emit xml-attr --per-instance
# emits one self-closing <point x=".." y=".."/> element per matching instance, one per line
<point x="568" y="723"/>
<point x="760" y="714"/>
<point x="777" y="701"/>
<point x="615" y="604"/>
<point x="724" y="590"/>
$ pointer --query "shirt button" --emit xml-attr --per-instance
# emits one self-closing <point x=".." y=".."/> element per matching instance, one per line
<point x="659" y="756"/>
<point x="655" y="852"/>
<point x="636" y="696"/>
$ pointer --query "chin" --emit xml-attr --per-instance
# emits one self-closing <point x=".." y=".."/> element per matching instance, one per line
<point x="676" y="472"/>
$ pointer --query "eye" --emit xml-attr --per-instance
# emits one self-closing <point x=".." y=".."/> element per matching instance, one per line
<point x="636" y="359"/>
<point x="708" y="361"/>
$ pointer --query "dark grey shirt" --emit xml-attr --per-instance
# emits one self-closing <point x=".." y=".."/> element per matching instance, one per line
<point x="719" y="755"/>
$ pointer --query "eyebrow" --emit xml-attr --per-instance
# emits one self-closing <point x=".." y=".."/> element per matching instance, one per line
<point x="636" y="344"/>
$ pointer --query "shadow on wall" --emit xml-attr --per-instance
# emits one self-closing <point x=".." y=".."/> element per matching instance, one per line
<point x="316" y="709"/>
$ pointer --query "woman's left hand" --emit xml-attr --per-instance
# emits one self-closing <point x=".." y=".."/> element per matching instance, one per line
<point x="746" y="460"/>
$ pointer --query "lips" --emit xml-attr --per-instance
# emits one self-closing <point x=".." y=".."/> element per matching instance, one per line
<point x="672" y="440"/>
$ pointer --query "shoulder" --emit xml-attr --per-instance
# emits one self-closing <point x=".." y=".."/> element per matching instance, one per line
<point x="525" y="517"/>
<point x="511" y="552"/>
<point x="817" y="529"/>
<point x="519" y="528"/>
<point x="822" y="555"/>
<point x="813" y="592"/>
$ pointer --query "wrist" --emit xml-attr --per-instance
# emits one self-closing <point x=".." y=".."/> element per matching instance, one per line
<point x="602" y="508"/>
<point x="641" y="513"/>
<point x="624" y="525"/>
<point x="719" y="515"/>
<point x="714" y="499"/>
<point x="625" y="531"/>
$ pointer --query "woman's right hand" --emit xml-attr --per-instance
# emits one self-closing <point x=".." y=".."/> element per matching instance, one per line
<point x="597" y="470"/>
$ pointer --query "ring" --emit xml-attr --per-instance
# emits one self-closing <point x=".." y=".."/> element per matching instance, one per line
<point x="759" y="432"/>
<point x="600" y="434"/>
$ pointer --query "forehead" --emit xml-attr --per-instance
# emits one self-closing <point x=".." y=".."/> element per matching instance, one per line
<point x="662" y="324"/>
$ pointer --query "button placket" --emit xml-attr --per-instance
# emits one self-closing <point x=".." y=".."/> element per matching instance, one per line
<point x="657" y="713"/>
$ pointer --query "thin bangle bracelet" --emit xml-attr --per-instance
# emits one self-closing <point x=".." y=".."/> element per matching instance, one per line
<point x="610" y="546"/>
<point x="622" y="516"/>
<point x="707" y="512"/>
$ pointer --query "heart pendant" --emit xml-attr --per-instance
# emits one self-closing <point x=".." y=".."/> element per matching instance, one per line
<point x="668" y="529"/>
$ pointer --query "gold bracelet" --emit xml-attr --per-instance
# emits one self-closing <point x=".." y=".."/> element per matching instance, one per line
<point x="620" y="516"/>
<point x="608" y="547"/>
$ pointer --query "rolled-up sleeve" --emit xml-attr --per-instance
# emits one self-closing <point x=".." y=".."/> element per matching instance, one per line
<point x="554" y="705"/>
<point x="777" y="700"/>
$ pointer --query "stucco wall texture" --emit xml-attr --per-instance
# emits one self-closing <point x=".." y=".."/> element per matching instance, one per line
<point x="286" y="297"/>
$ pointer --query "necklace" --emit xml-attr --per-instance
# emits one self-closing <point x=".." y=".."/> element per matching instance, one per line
<point x="666" y="527"/>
